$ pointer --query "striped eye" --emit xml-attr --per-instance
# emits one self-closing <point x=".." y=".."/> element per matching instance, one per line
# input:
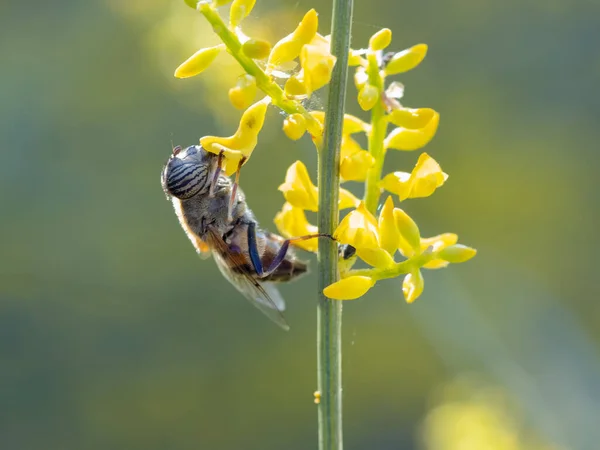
<point x="183" y="178"/>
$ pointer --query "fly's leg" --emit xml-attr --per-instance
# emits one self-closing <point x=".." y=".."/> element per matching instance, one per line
<point x="213" y="183"/>
<point x="235" y="188"/>
<point x="255" y="257"/>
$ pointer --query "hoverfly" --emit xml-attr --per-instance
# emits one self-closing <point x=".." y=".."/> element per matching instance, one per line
<point x="212" y="211"/>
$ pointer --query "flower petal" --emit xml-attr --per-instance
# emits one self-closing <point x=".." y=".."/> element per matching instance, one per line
<point x="359" y="229"/>
<point x="291" y="222"/>
<point x="349" y="288"/>
<point x="408" y="139"/>
<point x="298" y="189"/>
<point x="412" y="286"/>
<point x="376" y="257"/>
<point x="355" y="167"/>
<point x="242" y="143"/>
<point x="389" y="235"/>
<point x="290" y="46"/>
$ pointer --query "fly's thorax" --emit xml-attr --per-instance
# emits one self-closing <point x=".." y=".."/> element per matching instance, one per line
<point x="204" y="210"/>
<point x="188" y="172"/>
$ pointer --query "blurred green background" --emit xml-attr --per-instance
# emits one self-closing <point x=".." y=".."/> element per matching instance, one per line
<point x="115" y="335"/>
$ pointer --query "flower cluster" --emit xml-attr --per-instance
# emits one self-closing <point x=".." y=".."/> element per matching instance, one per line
<point x="287" y="73"/>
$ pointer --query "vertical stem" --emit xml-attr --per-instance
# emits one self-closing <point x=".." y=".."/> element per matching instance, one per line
<point x="329" y="312"/>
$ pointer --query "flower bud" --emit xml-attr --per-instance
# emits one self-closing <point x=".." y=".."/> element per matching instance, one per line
<point x="243" y="93"/>
<point x="380" y="40"/>
<point x="406" y="60"/>
<point x="412" y="286"/>
<point x="294" y="87"/>
<point x="294" y="126"/>
<point x="239" y="11"/>
<point x="457" y="253"/>
<point x="408" y="229"/>
<point x="389" y="236"/>
<point x="256" y="48"/>
<point x="368" y="96"/>
<point x="349" y="288"/>
<point x="198" y="62"/>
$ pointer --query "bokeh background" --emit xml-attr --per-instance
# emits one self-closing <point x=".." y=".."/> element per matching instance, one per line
<point x="114" y="335"/>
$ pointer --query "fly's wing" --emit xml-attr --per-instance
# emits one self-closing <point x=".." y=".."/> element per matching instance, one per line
<point x="262" y="295"/>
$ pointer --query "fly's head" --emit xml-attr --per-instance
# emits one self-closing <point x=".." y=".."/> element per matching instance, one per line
<point x="188" y="172"/>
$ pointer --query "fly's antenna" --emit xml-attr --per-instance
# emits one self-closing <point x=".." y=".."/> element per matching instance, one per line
<point x="175" y="148"/>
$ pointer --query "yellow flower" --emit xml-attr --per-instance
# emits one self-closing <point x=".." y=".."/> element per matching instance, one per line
<point x="289" y="48"/>
<point x="349" y="288"/>
<point x="294" y="126"/>
<point x="412" y="286"/>
<point x="198" y="62"/>
<point x="352" y="124"/>
<point x="389" y="235"/>
<point x="347" y="199"/>
<point x="356" y="166"/>
<point x="299" y="190"/>
<point x="349" y="147"/>
<point x="410" y="139"/>
<point x="243" y="93"/>
<point x="359" y="229"/>
<point x="437" y="244"/>
<point x="355" y="57"/>
<point x="406" y="60"/>
<point x="239" y="10"/>
<point x="243" y="142"/>
<point x="380" y="40"/>
<point x="317" y="65"/>
<point x="425" y="178"/>
<point x="413" y="119"/>
<point x="256" y="48"/>
<point x="291" y="222"/>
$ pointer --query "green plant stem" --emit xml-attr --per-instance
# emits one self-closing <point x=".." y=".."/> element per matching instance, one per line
<point x="263" y="81"/>
<point x="376" y="138"/>
<point x="329" y="312"/>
